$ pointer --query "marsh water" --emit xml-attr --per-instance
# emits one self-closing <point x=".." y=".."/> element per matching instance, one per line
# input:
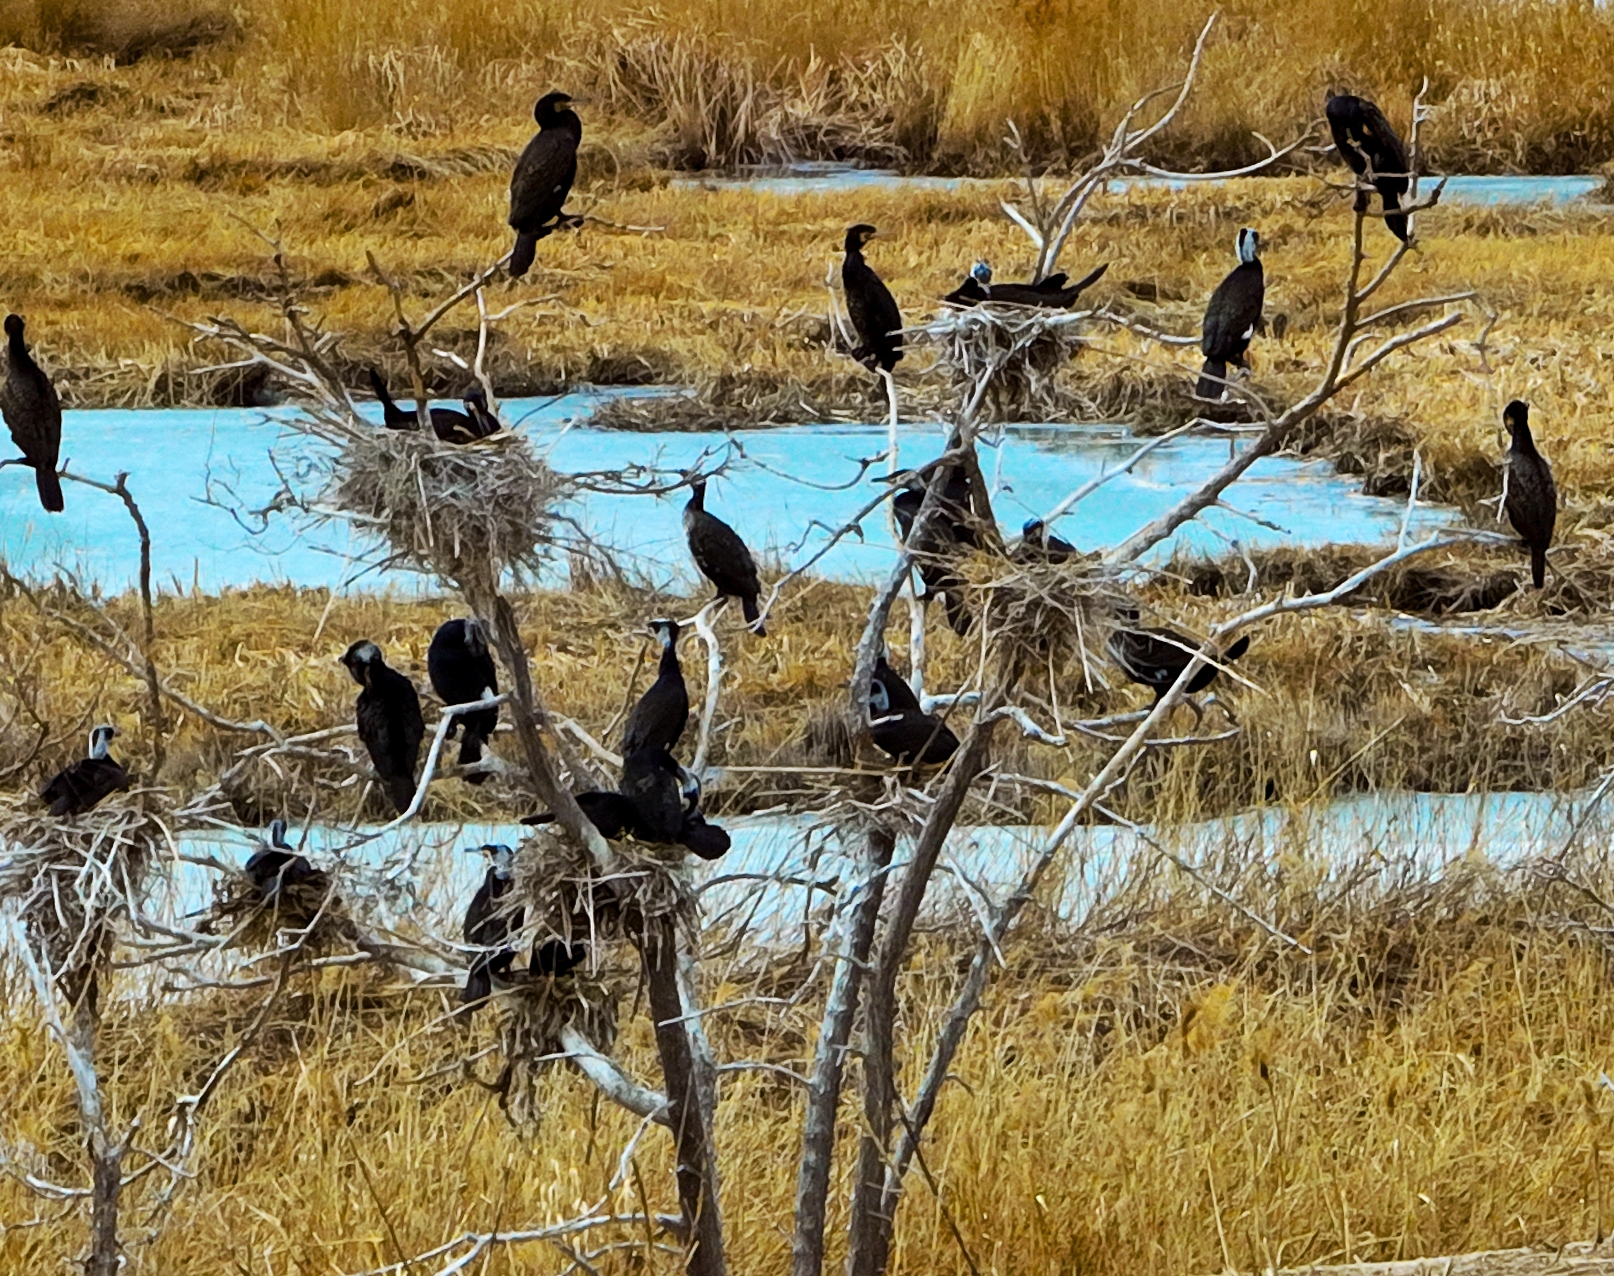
<point x="199" y="475"/>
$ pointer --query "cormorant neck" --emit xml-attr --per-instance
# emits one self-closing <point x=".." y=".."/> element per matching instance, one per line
<point x="697" y="497"/>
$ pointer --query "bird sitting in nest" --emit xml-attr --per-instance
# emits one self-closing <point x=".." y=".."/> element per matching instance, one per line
<point x="81" y="786"/>
<point x="1056" y="292"/>
<point x="475" y="423"/>
<point x="1156" y="657"/>
<point x="284" y="881"/>
<point x="1039" y="546"/>
<point x="900" y="727"/>
<point x="657" y="802"/>
<point x="490" y="921"/>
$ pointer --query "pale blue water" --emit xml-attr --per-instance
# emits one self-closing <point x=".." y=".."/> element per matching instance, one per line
<point x="830" y="178"/>
<point x="177" y="457"/>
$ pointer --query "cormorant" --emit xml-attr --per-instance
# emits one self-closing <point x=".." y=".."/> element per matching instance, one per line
<point x="555" y="957"/>
<point x="658" y="719"/>
<point x="461" y="670"/>
<point x="390" y="724"/>
<point x="33" y="413"/>
<point x="488" y="923"/>
<point x="482" y="419"/>
<point x="1532" y="503"/>
<point x="659" y="802"/>
<point x="1156" y="657"/>
<point x="543" y="178"/>
<point x="948" y="532"/>
<point x="276" y="864"/>
<point x="907" y="734"/>
<point x="1037" y="543"/>
<point x="899" y="696"/>
<point x="80" y="786"/>
<point x="1231" y="316"/>
<point x="875" y="317"/>
<point x="1056" y="292"/>
<point x="708" y="841"/>
<point x="449" y="425"/>
<point x="722" y="556"/>
<point x="1367" y="143"/>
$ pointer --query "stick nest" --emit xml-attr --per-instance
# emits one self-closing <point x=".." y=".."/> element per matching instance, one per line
<point x="71" y="878"/>
<point x="1024" y="348"/>
<point x="453" y="510"/>
<point x="256" y="919"/>
<point x="1052" y="609"/>
<point x="564" y="890"/>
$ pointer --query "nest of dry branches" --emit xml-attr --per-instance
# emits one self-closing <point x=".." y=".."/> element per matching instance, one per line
<point x="563" y="889"/>
<point x="256" y="919"/>
<point x="1016" y="351"/>
<point x="70" y="878"/>
<point x="451" y="510"/>
<point x="1052" y="610"/>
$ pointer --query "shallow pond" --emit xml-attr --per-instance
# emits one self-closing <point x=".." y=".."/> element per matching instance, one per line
<point x="829" y="179"/>
<point x="179" y="458"/>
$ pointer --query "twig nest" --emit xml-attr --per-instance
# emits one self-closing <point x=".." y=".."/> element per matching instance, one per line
<point x="68" y="878"/>
<point x="256" y="918"/>
<point x="1052" y="609"/>
<point x="566" y="892"/>
<point x="1022" y="347"/>
<point x="453" y="510"/>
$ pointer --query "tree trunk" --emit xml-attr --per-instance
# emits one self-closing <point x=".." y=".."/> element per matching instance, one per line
<point x="697" y="1175"/>
<point x="829" y="1061"/>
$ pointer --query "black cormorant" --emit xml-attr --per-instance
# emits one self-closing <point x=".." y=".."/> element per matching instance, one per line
<point x="1532" y="503"/>
<point x="907" y="734"/>
<point x="483" y="422"/>
<point x="80" y="786"/>
<point x="390" y="724"/>
<point x="659" y="802"/>
<point x="1156" y="657"/>
<point x="1367" y="143"/>
<point x="1056" y="292"/>
<point x="948" y="532"/>
<point x="543" y="178"/>
<point x="34" y="415"/>
<point x="722" y="556"/>
<point x="658" y="719"/>
<point x="875" y="317"/>
<point x="489" y="923"/>
<point x="899" y="696"/>
<point x="709" y="841"/>
<point x="461" y="670"/>
<point x="448" y="424"/>
<point x="555" y="957"/>
<point x="1231" y="316"/>
<point x="276" y="864"/>
<point x="1036" y="543"/>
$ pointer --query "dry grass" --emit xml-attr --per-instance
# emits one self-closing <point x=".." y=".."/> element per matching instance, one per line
<point x="1174" y="1092"/>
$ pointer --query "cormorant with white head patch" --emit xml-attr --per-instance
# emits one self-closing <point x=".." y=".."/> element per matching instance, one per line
<point x="875" y="317"/>
<point x="543" y="178"/>
<point x="1038" y="544"/>
<point x="489" y="922"/>
<point x="658" y="720"/>
<point x="276" y="865"/>
<point x="907" y="735"/>
<point x="461" y="669"/>
<point x="1367" y="143"/>
<point x="81" y="786"/>
<point x="1231" y="316"/>
<point x="33" y="413"/>
<point x="722" y="556"/>
<point x="388" y="712"/>
<point x="1056" y="292"/>
<point x="1532" y="504"/>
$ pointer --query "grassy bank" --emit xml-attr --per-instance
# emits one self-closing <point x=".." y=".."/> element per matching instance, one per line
<point x="1339" y="702"/>
<point x="1183" y="1093"/>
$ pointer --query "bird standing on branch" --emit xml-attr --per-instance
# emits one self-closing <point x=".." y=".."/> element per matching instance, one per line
<point x="658" y="719"/>
<point x="543" y="178"/>
<point x="33" y="413"/>
<point x="722" y="556"/>
<point x="1368" y="144"/>
<point x="875" y="317"/>
<point x="389" y="721"/>
<point x="461" y="670"/>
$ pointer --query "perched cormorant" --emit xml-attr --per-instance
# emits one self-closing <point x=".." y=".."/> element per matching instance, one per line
<point x="659" y="802"/>
<point x="34" y="415"/>
<point x="1056" y="292"/>
<point x="1037" y="543"/>
<point x="448" y="425"/>
<point x="461" y="670"/>
<point x="722" y="556"/>
<point x="1231" y="316"/>
<point x="1156" y="657"/>
<point x="390" y="724"/>
<point x="658" y="719"/>
<point x="907" y="734"/>
<point x="488" y="924"/>
<point x="947" y="533"/>
<point x="875" y="317"/>
<point x="899" y="696"/>
<point x="80" y="786"/>
<point x="1367" y="143"/>
<point x="276" y="864"/>
<point x="1532" y="503"/>
<point x="543" y="178"/>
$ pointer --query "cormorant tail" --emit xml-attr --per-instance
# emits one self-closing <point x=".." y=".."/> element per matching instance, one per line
<point x="478" y="984"/>
<point x="709" y="841"/>
<point x="1212" y="380"/>
<point x="958" y="615"/>
<point x="1236" y="650"/>
<point x="1396" y="222"/>
<point x="1538" y="566"/>
<point x="470" y="754"/>
<point x="753" y="617"/>
<point x="50" y="489"/>
<point x="522" y="254"/>
<point x="403" y="792"/>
